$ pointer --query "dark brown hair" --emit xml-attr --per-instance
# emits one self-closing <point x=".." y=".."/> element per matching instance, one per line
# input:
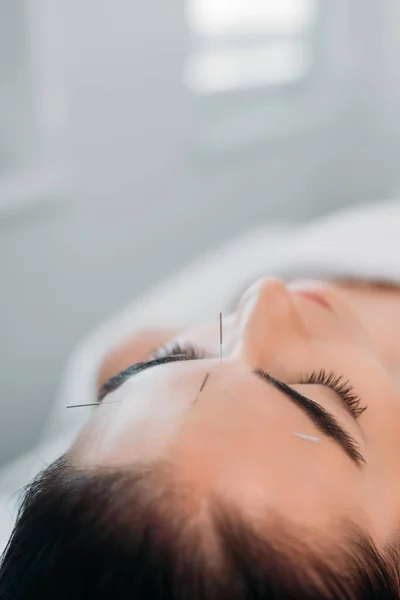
<point x="130" y="535"/>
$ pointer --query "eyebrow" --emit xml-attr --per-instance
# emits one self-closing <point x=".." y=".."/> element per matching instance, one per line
<point x="116" y="381"/>
<point x="325" y="422"/>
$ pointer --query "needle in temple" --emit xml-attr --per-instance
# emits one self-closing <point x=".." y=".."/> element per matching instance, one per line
<point x="220" y="334"/>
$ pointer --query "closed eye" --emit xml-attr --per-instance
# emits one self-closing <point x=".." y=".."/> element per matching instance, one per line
<point x="342" y="388"/>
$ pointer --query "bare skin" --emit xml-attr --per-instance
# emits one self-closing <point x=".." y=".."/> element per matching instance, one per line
<point x="239" y="436"/>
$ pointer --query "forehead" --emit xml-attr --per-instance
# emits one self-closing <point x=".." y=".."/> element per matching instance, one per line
<point x="153" y="402"/>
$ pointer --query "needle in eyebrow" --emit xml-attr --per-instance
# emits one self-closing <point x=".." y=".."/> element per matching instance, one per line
<point x="220" y="334"/>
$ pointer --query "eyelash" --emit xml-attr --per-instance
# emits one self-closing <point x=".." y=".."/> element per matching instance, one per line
<point x="339" y="385"/>
<point x="329" y="379"/>
<point x="178" y="349"/>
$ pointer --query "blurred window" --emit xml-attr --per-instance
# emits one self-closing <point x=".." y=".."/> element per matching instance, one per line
<point x="257" y="71"/>
<point x="244" y="44"/>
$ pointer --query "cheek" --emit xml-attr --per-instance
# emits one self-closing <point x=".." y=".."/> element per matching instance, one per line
<point x="342" y="326"/>
<point x="343" y="331"/>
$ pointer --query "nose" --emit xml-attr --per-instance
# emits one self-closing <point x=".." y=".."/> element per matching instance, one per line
<point x="267" y="323"/>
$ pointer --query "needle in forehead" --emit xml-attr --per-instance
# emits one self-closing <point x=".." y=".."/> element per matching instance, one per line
<point x="203" y="385"/>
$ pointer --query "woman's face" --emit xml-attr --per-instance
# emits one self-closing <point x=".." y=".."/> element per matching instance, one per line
<point x="264" y="428"/>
